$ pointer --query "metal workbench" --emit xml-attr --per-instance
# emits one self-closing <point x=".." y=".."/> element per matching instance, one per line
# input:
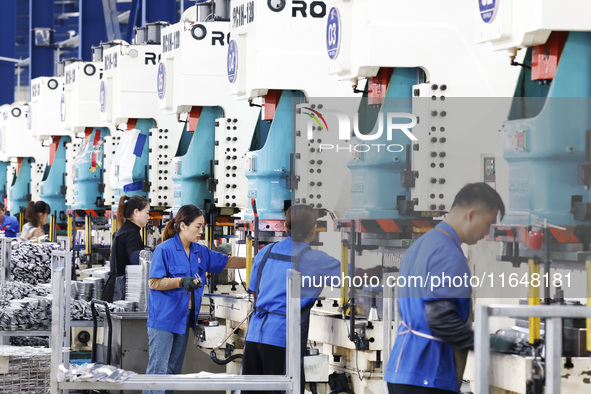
<point x="192" y="382"/>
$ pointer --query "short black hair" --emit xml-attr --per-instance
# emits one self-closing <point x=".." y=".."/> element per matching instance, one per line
<point x="2" y="206"/>
<point x="479" y="192"/>
<point x="300" y="219"/>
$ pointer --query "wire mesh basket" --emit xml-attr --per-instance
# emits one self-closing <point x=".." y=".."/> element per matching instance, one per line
<point x="24" y="373"/>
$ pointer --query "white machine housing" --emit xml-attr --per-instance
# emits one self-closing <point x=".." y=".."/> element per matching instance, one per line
<point x="17" y="141"/>
<point x="514" y="24"/>
<point x="44" y="121"/>
<point x="377" y="34"/>
<point x="44" y="107"/>
<point x="80" y="107"/>
<point x="16" y="138"/>
<point x="280" y="49"/>
<point x="128" y="91"/>
<point x="192" y="74"/>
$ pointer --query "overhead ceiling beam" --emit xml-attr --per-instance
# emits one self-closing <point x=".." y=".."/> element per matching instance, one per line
<point x="111" y="19"/>
<point x="41" y="14"/>
<point x="93" y="27"/>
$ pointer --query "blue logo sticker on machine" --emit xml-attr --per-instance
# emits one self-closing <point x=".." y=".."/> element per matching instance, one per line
<point x="232" y="61"/>
<point x="333" y="33"/>
<point x="161" y="80"/>
<point x="488" y="9"/>
<point x="63" y="108"/>
<point x="102" y="97"/>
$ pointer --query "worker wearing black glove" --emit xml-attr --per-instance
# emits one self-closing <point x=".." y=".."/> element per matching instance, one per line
<point x="179" y="266"/>
<point x="190" y="284"/>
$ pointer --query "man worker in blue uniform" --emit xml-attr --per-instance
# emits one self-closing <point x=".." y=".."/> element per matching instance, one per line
<point x="8" y="224"/>
<point x="433" y="339"/>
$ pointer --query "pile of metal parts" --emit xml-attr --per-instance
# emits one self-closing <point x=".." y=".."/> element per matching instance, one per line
<point x="24" y="306"/>
<point x="80" y="310"/>
<point x="31" y="262"/>
<point x="27" y="307"/>
<point x="29" y="313"/>
<point x="18" y="290"/>
<point x="30" y="341"/>
<point x="91" y="372"/>
<point x="28" y="370"/>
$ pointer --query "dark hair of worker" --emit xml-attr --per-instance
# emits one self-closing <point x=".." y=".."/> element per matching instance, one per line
<point x="129" y="204"/>
<point x="2" y="206"/>
<point x="186" y="214"/>
<point x="300" y="219"/>
<point x="35" y="210"/>
<point x="479" y="192"/>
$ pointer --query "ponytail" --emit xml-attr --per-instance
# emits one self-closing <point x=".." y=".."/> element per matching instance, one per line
<point x="34" y="210"/>
<point x="169" y="230"/>
<point x="121" y="211"/>
<point x="186" y="214"/>
<point x="127" y="205"/>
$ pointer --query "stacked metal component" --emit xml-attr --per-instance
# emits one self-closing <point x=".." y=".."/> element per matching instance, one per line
<point x="85" y="290"/>
<point x="136" y="288"/>
<point x="29" y="313"/>
<point x="24" y="306"/>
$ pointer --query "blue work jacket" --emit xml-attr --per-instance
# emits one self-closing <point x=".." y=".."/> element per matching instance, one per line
<point x="416" y="359"/>
<point x="168" y="309"/>
<point x="10" y="226"/>
<point x="268" y="324"/>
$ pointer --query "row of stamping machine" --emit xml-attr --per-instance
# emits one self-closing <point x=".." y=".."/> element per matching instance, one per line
<point x="377" y="187"/>
<point x="509" y="141"/>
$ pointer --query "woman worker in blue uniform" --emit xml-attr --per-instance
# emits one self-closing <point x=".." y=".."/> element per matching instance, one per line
<point x="434" y="336"/>
<point x="264" y="351"/>
<point x="133" y="214"/>
<point x="179" y="266"/>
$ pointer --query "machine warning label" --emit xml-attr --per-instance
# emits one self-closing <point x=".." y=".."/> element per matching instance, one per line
<point x="243" y="14"/>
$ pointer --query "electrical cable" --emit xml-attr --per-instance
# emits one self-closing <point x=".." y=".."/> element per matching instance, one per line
<point x="214" y="358"/>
